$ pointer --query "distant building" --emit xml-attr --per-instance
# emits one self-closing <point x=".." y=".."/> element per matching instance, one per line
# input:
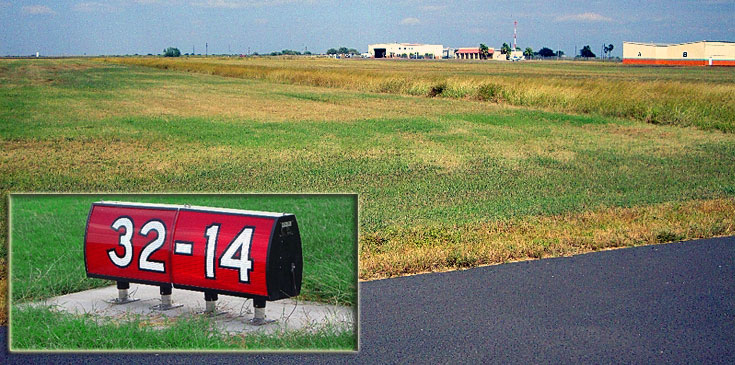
<point x="516" y="56"/>
<point x="448" y="52"/>
<point x="472" y="53"/>
<point x="405" y="50"/>
<point x="702" y="53"/>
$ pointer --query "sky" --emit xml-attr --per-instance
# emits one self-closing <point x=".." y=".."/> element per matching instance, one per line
<point x="111" y="27"/>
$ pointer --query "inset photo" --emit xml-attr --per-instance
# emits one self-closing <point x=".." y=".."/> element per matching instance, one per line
<point x="183" y="272"/>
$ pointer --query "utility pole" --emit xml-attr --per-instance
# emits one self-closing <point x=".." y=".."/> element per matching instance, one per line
<point x="515" y="38"/>
<point x="206" y="49"/>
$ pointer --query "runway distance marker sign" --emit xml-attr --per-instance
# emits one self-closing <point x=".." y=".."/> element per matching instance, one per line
<point x="228" y="251"/>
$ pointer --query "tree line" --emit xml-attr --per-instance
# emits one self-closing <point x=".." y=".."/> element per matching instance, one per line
<point x="343" y="50"/>
<point x="545" y="52"/>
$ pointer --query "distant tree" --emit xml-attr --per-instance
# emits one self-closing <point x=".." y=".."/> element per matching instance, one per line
<point x="587" y="52"/>
<point x="518" y="48"/>
<point x="343" y="50"/>
<point x="405" y="55"/>
<point x="484" y="51"/>
<point x="307" y="53"/>
<point x="608" y="49"/>
<point x="505" y="49"/>
<point x="331" y="51"/>
<point x="559" y="53"/>
<point x="353" y="51"/>
<point x="171" y="52"/>
<point x="546" y="52"/>
<point x="528" y="52"/>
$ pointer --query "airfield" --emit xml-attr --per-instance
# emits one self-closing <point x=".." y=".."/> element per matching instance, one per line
<point x="457" y="164"/>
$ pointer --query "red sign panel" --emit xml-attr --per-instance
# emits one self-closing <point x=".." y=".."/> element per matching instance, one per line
<point x="129" y="242"/>
<point x="227" y="251"/>
<point x="221" y="251"/>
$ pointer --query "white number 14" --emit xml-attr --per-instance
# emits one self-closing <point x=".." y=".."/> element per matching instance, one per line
<point x="241" y="243"/>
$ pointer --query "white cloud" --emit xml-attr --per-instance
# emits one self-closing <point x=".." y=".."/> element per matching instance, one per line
<point x="94" y="7"/>
<point x="410" y="21"/>
<point x="220" y="4"/>
<point x="713" y="2"/>
<point x="237" y="4"/>
<point x="433" y="7"/>
<point x="37" y="9"/>
<point x="583" y="17"/>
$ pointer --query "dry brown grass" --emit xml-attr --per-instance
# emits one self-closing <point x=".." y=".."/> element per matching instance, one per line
<point x="661" y="96"/>
<point x="277" y="104"/>
<point x="402" y="251"/>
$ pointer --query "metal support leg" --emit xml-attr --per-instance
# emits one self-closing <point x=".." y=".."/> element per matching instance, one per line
<point x="259" y="317"/>
<point x="123" y="296"/>
<point x="166" y="302"/>
<point x="210" y="304"/>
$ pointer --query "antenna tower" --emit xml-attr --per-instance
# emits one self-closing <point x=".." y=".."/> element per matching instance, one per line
<point x="515" y="37"/>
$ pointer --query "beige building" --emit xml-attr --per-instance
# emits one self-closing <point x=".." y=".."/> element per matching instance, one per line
<point x="405" y="50"/>
<point x="702" y="53"/>
<point x="472" y="53"/>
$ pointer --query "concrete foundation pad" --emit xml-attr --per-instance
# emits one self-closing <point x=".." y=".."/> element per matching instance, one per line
<point x="288" y="314"/>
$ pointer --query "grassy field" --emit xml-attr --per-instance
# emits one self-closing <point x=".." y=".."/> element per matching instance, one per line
<point x="42" y="329"/>
<point x="444" y="182"/>
<point x="702" y="97"/>
<point x="47" y="260"/>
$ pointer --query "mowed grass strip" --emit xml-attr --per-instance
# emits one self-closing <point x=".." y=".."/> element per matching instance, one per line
<point x="60" y="94"/>
<point x="701" y="97"/>
<point x="45" y="329"/>
<point x="48" y="236"/>
<point x="423" y="248"/>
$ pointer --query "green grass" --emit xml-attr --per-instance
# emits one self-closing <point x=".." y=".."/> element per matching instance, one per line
<point x="453" y="168"/>
<point x="430" y="172"/>
<point x="48" y="235"/>
<point x="43" y="329"/>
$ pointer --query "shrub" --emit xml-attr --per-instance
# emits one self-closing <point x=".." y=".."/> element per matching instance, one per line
<point x="490" y="92"/>
<point x="437" y="89"/>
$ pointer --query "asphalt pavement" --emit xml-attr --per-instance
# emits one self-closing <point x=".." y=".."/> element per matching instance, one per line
<point x="661" y="303"/>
